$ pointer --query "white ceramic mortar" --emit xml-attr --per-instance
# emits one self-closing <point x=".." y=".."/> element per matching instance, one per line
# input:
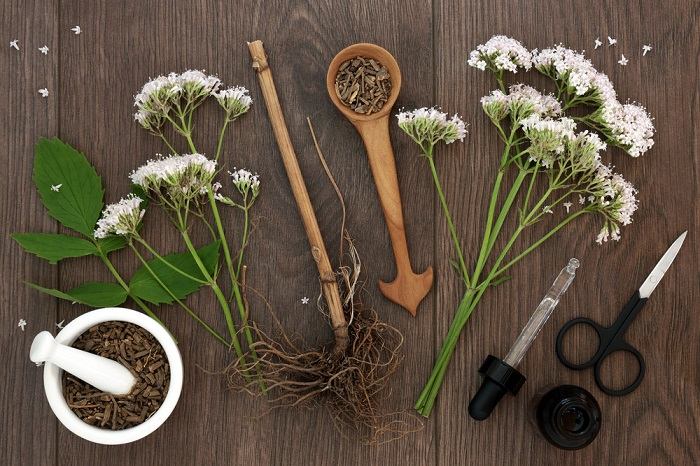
<point x="53" y="375"/>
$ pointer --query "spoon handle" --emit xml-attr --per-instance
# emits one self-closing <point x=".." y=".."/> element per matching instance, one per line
<point x="409" y="288"/>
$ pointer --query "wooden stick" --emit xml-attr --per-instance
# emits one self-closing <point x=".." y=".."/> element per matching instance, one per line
<point x="329" y="284"/>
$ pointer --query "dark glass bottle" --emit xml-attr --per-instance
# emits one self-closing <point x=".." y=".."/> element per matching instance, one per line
<point x="568" y="417"/>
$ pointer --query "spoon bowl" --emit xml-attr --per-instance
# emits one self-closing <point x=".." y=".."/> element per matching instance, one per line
<point x="368" y="51"/>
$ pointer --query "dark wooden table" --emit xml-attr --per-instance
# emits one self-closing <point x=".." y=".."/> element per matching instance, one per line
<point x="92" y="77"/>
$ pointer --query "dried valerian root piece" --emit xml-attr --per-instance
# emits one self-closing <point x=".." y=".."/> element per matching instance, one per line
<point x="363" y="84"/>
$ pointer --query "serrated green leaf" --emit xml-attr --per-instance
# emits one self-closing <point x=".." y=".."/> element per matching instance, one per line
<point x="145" y="286"/>
<point x="68" y="185"/>
<point x="94" y="294"/>
<point x="54" y="247"/>
<point x="111" y="243"/>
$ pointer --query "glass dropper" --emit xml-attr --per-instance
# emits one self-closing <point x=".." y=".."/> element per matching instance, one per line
<point x="501" y="376"/>
<point x="542" y="313"/>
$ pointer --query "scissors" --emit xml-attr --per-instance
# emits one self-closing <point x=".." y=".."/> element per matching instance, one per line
<point x="610" y="339"/>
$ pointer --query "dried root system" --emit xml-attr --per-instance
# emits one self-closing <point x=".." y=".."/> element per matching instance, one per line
<point x="349" y="383"/>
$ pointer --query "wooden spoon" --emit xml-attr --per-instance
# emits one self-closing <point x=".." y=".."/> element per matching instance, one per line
<point x="408" y="288"/>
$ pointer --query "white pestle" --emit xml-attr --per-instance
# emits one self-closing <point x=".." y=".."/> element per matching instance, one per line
<point x="102" y="373"/>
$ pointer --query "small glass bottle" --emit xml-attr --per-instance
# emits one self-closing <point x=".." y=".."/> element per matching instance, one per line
<point x="567" y="416"/>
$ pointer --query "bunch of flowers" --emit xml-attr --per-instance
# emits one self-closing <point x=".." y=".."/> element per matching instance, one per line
<point x="541" y="143"/>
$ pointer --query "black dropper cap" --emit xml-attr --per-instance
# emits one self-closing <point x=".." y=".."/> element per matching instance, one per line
<point x="499" y="378"/>
<point x="569" y="417"/>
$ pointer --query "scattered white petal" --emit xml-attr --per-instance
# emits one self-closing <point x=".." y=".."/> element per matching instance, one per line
<point x="597" y="43"/>
<point x="44" y="50"/>
<point x="646" y="49"/>
<point x="56" y="187"/>
<point x="21" y="324"/>
<point x="567" y="206"/>
<point x="44" y="92"/>
<point x="76" y="29"/>
<point x="59" y="325"/>
<point x="304" y="300"/>
<point x="14" y="44"/>
<point x="547" y="210"/>
<point x="611" y="41"/>
<point x="623" y="60"/>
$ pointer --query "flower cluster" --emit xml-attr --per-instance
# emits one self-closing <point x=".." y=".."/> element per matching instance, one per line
<point x="122" y="218"/>
<point x="520" y="102"/>
<point x="428" y="126"/>
<point x="246" y="182"/>
<point x="575" y="71"/>
<point x="628" y="126"/>
<point x="501" y="53"/>
<point x="548" y="137"/>
<point x="158" y="96"/>
<point x="616" y="200"/>
<point x="181" y="177"/>
<point x="235" y="101"/>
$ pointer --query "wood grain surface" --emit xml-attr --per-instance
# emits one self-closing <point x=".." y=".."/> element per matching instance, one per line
<point x="92" y="77"/>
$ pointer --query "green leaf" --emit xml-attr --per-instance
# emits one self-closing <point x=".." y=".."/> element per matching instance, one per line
<point x="54" y="247"/>
<point x="112" y="243"/>
<point x="76" y="197"/>
<point x="94" y="294"/>
<point x="146" y="287"/>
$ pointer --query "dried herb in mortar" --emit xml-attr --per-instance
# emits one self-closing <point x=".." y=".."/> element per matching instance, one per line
<point x="137" y="350"/>
<point x="363" y="84"/>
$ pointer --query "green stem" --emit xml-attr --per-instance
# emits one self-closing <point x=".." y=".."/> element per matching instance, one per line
<point x="448" y="217"/>
<point x="212" y="283"/>
<point x="244" y="240"/>
<point x="187" y="309"/>
<point x="124" y="285"/>
<point x="220" y="142"/>
<point x="142" y="242"/>
<point x="172" y="149"/>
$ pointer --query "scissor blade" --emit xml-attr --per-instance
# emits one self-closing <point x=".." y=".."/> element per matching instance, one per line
<point x="661" y="267"/>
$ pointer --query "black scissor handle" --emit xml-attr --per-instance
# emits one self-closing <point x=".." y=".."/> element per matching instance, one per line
<point x="600" y="332"/>
<point x="615" y="347"/>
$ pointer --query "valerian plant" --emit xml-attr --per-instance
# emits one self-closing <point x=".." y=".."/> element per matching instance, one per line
<point x="182" y="184"/>
<point x="543" y="146"/>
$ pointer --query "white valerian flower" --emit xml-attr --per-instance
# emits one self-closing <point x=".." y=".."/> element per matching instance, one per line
<point x="428" y="126"/>
<point x="525" y="101"/>
<point x="584" y="152"/>
<point x="617" y="201"/>
<point x="646" y="49"/>
<point x="611" y="41"/>
<point x="501" y="53"/>
<point x="304" y="300"/>
<point x="567" y="206"/>
<point x="495" y="105"/>
<point x="194" y="85"/>
<point x="628" y="126"/>
<point x="56" y="187"/>
<point x="575" y="71"/>
<point x="581" y="199"/>
<point x="177" y="177"/>
<point x="44" y="50"/>
<point x="76" y="30"/>
<point x="44" y="92"/>
<point x="14" y="44"/>
<point x="21" y="324"/>
<point x="235" y="101"/>
<point x="153" y="103"/>
<point x="246" y="182"/>
<point x="121" y="219"/>
<point x="547" y="210"/>
<point x="623" y="60"/>
<point x="597" y="43"/>
<point x="548" y="137"/>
